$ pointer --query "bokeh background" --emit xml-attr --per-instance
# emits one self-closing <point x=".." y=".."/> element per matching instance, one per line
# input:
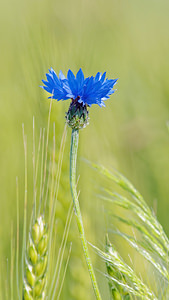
<point x="128" y="39"/>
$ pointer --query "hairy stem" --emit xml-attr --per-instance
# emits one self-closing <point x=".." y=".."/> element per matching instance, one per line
<point x="73" y="159"/>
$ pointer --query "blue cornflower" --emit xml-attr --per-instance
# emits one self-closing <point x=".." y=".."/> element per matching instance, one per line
<point x="87" y="91"/>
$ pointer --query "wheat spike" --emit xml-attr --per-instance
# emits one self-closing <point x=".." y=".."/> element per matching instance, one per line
<point x="36" y="261"/>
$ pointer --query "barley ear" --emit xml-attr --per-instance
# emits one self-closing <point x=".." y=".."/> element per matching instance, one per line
<point x="36" y="261"/>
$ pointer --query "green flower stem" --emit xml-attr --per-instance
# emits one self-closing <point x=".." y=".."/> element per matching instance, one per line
<point x="73" y="159"/>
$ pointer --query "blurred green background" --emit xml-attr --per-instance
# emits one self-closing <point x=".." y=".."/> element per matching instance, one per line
<point x="129" y="40"/>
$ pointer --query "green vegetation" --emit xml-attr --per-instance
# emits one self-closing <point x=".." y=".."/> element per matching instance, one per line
<point x="129" y="40"/>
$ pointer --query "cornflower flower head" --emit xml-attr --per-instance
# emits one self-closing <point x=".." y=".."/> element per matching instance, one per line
<point x="82" y="91"/>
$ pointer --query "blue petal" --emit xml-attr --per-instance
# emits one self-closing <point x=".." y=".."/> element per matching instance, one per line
<point x="46" y="83"/>
<point x="61" y="76"/>
<point x="55" y="78"/>
<point x="49" y="78"/>
<point x="97" y="77"/>
<point x="80" y="80"/>
<point x="72" y="83"/>
<point x="103" y="77"/>
<point x="48" y="89"/>
<point x="70" y="76"/>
